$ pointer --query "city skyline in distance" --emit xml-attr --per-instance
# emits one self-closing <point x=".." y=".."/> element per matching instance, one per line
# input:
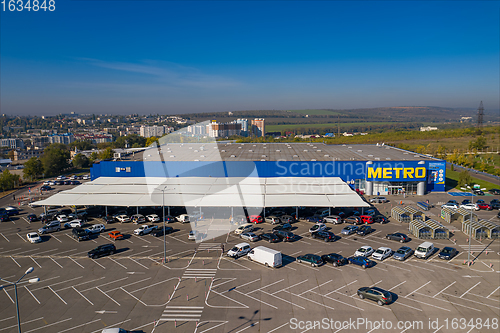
<point x="172" y="57"/>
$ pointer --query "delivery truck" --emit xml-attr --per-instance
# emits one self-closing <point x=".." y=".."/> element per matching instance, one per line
<point x="266" y="256"/>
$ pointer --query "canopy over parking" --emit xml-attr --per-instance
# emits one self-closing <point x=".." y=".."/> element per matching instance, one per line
<point x="211" y="192"/>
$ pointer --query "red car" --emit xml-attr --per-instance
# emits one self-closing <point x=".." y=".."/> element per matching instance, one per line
<point x="366" y="219"/>
<point x="484" y="205"/>
<point x="256" y="219"/>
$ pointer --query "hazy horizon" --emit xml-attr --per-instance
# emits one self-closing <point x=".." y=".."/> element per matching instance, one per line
<point x="169" y="57"/>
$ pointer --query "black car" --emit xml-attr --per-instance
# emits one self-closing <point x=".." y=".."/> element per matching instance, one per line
<point x="380" y="219"/>
<point x="32" y="217"/>
<point x="447" y="253"/>
<point x="169" y="219"/>
<point x="45" y="188"/>
<point x="327" y="236"/>
<point x="494" y="191"/>
<point x="4" y="218"/>
<point x="102" y="250"/>
<point x="465" y="202"/>
<point x="364" y="230"/>
<point x="79" y="234"/>
<point x="283" y="226"/>
<point x="108" y="219"/>
<point x="271" y="238"/>
<point x="285" y="236"/>
<point x="335" y="259"/>
<point x="287" y="218"/>
<point x="495" y="204"/>
<point x="161" y="231"/>
<point x="313" y="259"/>
<point x="400" y="237"/>
<point x="477" y="192"/>
<point x="376" y="294"/>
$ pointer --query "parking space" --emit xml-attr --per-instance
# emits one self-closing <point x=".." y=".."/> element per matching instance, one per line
<point x="199" y="290"/>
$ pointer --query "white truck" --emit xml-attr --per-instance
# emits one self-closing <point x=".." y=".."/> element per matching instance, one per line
<point x="144" y="229"/>
<point x="183" y="218"/>
<point x="266" y="256"/>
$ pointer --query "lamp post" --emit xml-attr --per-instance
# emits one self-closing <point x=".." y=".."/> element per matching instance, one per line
<point x="29" y="270"/>
<point x="163" y="208"/>
<point x="467" y="187"/>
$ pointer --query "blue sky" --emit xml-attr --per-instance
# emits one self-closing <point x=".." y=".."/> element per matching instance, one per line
<point x="174" y="57"/>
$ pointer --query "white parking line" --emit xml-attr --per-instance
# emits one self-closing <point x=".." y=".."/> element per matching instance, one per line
<point x="79" y="284"/>
<point x="57" y="239"/>
<point x="3" y="252"/>
<point x="72" y="328"/>
<point x="277" y="328"/>
<point x="284" y="289"/>
<point x="492" y="292"/>
<point x="105" y="284"/>
<point x="57" y="295"/>
<point x="142" y="239"/>
<point x="445" y="288"/>
<point x="58" y="322"/>
<point x="24" y="240"/>
<point x="36" y="299"/>
<point x="256" y="299"/>
<point x="138" y="263"/>
<point x="336" y="290"/>
<point x="137" y="299"/>
<point x="15" y="261"/>
<point x="55" y="262"/>
<point x="111" y="298"/>
<point x="98" y="263"/>
<point x="29" y="321"/>
<point x="35" y="262"/>
<point x="252" y="325"/>
<point x="469" y="289"/>
<point x="116" y="262"/>
<point x="8" y="295"/>
<point x="8" y="318"/>
<point x="5" y="237"/>
<point x="396" y="286"/>
<point x="265" y="286"/>
<point x="75" y="261"/>
<point x="315" y="287"/>
<point x="240" y="285"/>
<point x="72" y="238"/>
<point x="121" y="322"/>
<point x="457" y="304"/>
<point x="82" y="295"/>
<point x="418" y="289"/>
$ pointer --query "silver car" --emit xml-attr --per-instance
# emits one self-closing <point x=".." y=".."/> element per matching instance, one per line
<point x="402" y="253"/>
<point x="250" y="236"/>
<point x="378" y="200"/>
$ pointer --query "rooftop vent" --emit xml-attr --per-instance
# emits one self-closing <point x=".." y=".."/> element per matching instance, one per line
<point x="313" y="160"/>
<point x="251" y="150"/>
<point x="370" y="155"/>
<point x="239" y="147"/>
<point x="263" y="160"/>
<point x="233" y="155"/>
<point x="319" y="150"/>
<point x="172" y="155"/>
<point x="295" y="156"/>
<point x="263" y="156"/>
<point x="377" y="158"/>
<point x="326" y="155"/>
<point x="202" y="155"/>
<point x="359" y="150"/>
<point x="277" y="150"/>
<point x="388" y="158"/>
<point x="190" y="147"/>
<point x="196" y="160"/>
<point x="405" y="153"/>
<point x="196" y="150"/>
<point x="349" y="147"/>
<point x="223" y="151"/>
<point x="305" y="149"/>
<point x="289" y="147"/>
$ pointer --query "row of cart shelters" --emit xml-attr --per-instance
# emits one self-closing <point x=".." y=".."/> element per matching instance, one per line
<point x="406" y="214"/>
<point x="459" y="214"/>
<point x="429" y="229"/>
<point x="481" y="229"/>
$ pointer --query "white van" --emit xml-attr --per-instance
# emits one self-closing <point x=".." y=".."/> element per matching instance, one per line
<point x="424" y="250"/>
<point x="183" y="218"/>
<point x="266" y="256"/>
<point x="239" y="250"/>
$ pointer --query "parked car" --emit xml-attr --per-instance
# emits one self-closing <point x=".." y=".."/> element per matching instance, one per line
<point x="379" y="200"/>
<point x="326" y="236"/>
<point x="11" y="211"/>
<point x="244" y="228"/>
<point x="335" y="219"/>
<point x="108" y="219"/>
<point x="477" y="191"/>
<point x="494" y="191"/>
<point x="495" y="204"/>
<point x="349" y="230"/>
<point x="115" y="234"/>
<point x="484" y="206"/>
<point x="424" y="250"/>
<point x="353" y="220"/>
<point x="4" y="218"/>
<point x="79" y="234"/>
<point x="361" y="261"/>
<point x="365" y="251"/>
<point x="470" y="206"/>
<point x="285" y="236"/>
<point x="62" y="218"/>
<point x="122" y="218"/>
<point x="313" y="259"/>
<point x="376" y="294"/>
<point x="447" y="253"/>
<point x="402" y="253"/>
<point x="239" y="250"/>
<point x="283" y="226"/>
<point x="271" y="238"/>
<point x="74" y="224"/>
<point x="250" y="236"/>
<point x="334" y="259"/>
<point x="364" y="230"/>
<point x="382" y="253"/>
<point x="256" y="219"/>
<point x="315" y="219"/>
<point x="398" y="236"/>
<point x="101" y="250"/>
<point x="138" y="218"/>
<point x="32" y="217"/>
<point x="160" y="231"/>
<point x="366" y="219"/>
<point x="273" y="219"/>
<point x="169" y="219"/>
<point x="465" y="202"/>
<point x="50" y="227"/>
<point x="287" y="219"/>
<point x="153" y="218"/>
<point x="451" y="205"/>
<point x="95" y="228"/>
<point x="145" y="229"/>
<point x="33" y="237"/>
<point x="317" y="227"/>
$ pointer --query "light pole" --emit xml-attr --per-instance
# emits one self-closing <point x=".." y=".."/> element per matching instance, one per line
<point x="164" y="233"/>
<point x="29" y="270"/>
<point x="467" y="187"/>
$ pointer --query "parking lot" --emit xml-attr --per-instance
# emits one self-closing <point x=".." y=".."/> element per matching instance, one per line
<point x="199" y="290"/>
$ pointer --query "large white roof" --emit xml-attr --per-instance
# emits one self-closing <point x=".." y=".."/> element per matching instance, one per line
<point x="210" y="192"/>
